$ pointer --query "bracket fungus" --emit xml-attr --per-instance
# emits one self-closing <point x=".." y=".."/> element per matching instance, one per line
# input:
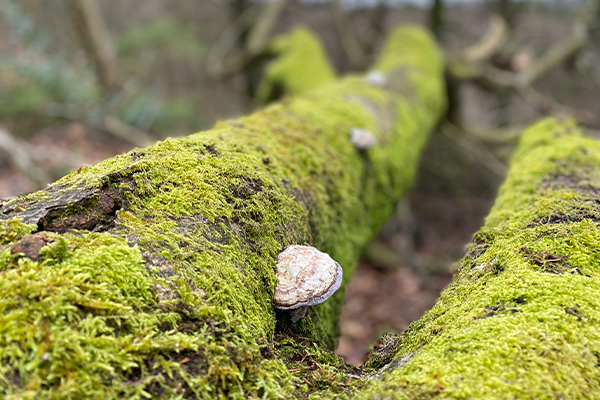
<point x="376" y="78"/>
<point x="306" y="277"/>
<point x="362" y="139"/>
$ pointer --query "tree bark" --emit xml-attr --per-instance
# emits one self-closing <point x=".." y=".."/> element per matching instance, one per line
<point x="151" y="275"/>
<point x="521" y="317"/>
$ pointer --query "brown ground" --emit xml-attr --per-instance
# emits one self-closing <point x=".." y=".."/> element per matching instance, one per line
<point x="380" y="301"/>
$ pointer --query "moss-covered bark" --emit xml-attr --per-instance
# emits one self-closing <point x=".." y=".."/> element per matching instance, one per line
<point x="300" y="66"/>
<point x="151" y="275"/>
<point x="521" y="320"/>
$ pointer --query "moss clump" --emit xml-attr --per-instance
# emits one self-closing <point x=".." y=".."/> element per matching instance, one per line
<point x="14" y="229"/>
<point x="86" y="322"/>
<point x="169" y="291"/>
<point x="301" y="65"/>
<point x="521" y="319"/>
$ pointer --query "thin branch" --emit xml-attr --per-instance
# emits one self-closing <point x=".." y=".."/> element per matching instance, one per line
<point x="474" y="147"/>
<point x="489" y="44"/>
<point x="260" y="35"/>
<point x="500" y="80"/>
<point x="556" y="55"/>
<point x="108" y="123"/>
<point x="546" y="106"/>
<point x="18" y="154"/>
<point x="219" y="65"/>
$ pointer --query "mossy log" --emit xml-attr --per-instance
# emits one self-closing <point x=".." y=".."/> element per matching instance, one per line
<point x="521" y="319"/>
<point x="151" y="274"/>
<point x="301" y="65"/>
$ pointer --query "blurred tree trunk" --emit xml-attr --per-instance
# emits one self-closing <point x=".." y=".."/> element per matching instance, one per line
<point x="436" y="19"/>
<point x="454" y="110"/>
<point x="97" y="42"/>
<point x="151" y="275"/>
<point x="376" y="23"/>
<point x="252" y="70"/>
<point x="436" y="24"/>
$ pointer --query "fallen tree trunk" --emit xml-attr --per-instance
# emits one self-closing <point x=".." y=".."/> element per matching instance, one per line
<point x="151" y="275"/>
<point x="521" y="319"/>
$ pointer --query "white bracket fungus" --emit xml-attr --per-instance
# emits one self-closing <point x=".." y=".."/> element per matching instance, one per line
<point x="306" y="277"/>
<point x="376" y="78"/>
<point x="362" y="139"/>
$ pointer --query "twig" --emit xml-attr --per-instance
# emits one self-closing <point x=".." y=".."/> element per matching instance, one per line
<point x="545" y="105"/>
<point x="500" y="80"/>
<point x="107" y="123"/>
<point x="19" y="156"/>
<point x="494" y="38"/>
<point x="258" y="39"/>
<point x="494" y="135"/>
<point x="217" y="64"/>
<point x="98" y="42"/>
<point x="261" y="32"/>
<point x="129" y="133"/>
<point x="483" y="155"/>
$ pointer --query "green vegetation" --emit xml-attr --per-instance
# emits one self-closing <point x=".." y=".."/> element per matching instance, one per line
<point x="173" y="297"/>
<point x="520" y="320"/>
<point x="39" y="85"/>
<point x="301" y="65"/>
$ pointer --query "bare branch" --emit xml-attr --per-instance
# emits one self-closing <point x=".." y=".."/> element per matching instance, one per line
<point x="500" y="80"/>
<point x="108" y="123"/>
<point x="489" y="44"/>
<point x="474" y="147"/>
<point x="219" y="64"/>
<point x="18" y="154"/>
<point x="262" y="30"/>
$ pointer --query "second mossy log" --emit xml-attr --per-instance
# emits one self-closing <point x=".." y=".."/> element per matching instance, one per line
<point x="521" y="319"/>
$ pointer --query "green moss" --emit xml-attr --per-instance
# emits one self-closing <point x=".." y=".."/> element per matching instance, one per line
<point x="14" y="229"/>
<point x="406" y="67"/>
<point x="316" y="372"/>
<point x="86" y="323"/>
<point x="183" y="305"/>
<point x="301" y="65"/>
<point x="521" y="318"/>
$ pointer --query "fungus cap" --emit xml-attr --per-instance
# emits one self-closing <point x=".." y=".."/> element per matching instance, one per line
<point x="306" y="277"/>
<point x="362" y="139"/>
<point x="376" y="78"/>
